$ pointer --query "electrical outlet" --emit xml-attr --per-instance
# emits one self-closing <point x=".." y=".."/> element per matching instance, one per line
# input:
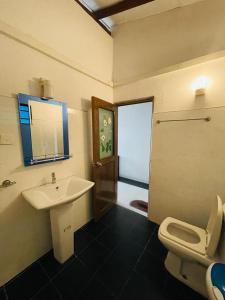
<point x="6" y="139"/>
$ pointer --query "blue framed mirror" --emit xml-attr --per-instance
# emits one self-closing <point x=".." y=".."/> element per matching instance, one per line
<point x="44" y="129"/>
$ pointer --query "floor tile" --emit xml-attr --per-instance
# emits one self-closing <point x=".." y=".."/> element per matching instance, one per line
<point x="138" y="287"/>
<point x="193" y="295"/>
<point x="119" y="232"/>
<point x="2" y="294"/>
<point x="94" y="256"/>
<point x="110" y="217"/>
<point x="27" y="284"/>
<point x="51" y="265"/>
<point x="47" y="293"/>
<point x="129" y="216"/>
<point x="119" y="257"/>
<point x="156" y="247"/>
<point x="174" y="289"/>
<point x="152" y="268"/>
<point x="145" y="223"/>
<point x="124" y="224"/>
<point x="114" y="274"/>
<point x="82" y="240"/>
<point x="94" y="228"/>
<point x="111" y="237"/>
<point x="95" y="290"/>
<point x="128" y="252"/>
<point x="72" y="280"/>
<point x="141" y="235"/>
<point x="118" y="216"/>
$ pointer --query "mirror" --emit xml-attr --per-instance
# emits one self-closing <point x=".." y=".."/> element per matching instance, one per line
<point x="44" y="129"/>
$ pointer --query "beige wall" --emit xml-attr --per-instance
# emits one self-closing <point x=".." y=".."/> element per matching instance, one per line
<point x="65" y="27"/>
<point x="187" y="169"/>
<point x="25" y="232"/>
<point x="146" y="47"/>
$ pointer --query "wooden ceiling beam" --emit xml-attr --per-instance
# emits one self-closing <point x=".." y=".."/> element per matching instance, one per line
<point x="118" y="7"/>
<point x="93" y="16"/>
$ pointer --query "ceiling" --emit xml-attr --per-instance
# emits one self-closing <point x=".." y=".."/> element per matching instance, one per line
<point x="138" y="12"/>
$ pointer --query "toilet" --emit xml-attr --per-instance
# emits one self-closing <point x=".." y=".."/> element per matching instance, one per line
<point x="192" y="249"/>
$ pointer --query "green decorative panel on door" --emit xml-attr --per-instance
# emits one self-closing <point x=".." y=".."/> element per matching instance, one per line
<point x="106" y="132"/>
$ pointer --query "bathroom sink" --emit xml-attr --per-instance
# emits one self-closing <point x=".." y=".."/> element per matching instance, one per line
<point x="58" y="198"/>
<point x="62" y="192"/>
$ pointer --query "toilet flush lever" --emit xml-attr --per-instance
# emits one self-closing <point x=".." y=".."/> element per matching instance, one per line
<point x="6" y="183"/>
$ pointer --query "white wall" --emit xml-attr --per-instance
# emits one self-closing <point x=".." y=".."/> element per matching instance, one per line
<point x="187" y="159"/>
<point x="25" y="232"/>
<point x="134" y="136"/>
<point x="145" y="47"/>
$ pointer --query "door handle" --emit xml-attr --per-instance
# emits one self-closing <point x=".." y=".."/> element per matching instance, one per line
<point x="98" y="164"/>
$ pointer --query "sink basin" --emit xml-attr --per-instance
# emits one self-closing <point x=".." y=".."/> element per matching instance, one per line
<point x="59" y="197"/>
<point x="63" y="191"/>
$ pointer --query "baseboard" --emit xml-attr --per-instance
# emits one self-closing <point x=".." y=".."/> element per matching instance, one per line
<point x="134" y="182"/>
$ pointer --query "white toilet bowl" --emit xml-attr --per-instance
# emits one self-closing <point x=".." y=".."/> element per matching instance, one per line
<point x="184" y="240"/>
<point x="191" y="249"/>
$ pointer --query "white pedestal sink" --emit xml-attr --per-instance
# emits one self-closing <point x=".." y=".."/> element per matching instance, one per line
<point x="59" y="197"/>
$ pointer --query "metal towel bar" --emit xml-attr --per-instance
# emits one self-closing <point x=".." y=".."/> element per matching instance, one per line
<point x="207" y="119"/>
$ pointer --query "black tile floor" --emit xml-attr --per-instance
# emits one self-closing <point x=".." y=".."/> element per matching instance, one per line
<point x="119" y="257"/>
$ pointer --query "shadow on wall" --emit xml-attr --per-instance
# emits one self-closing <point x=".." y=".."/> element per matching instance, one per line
<point x="34" y="87"/>
<point x="86" y="106"/>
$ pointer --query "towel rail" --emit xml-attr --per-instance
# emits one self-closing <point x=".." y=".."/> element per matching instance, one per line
<point x="39" y="161"/>
<point x="207" y="119"/>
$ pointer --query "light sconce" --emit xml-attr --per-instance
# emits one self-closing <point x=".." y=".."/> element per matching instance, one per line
<point x="46" y="89"/>
<point x="200" y="85"/>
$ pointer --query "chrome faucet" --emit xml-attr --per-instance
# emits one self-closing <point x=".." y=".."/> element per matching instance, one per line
<point x="53" y="178"/>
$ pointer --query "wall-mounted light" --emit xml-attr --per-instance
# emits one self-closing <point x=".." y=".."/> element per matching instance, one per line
<point x="200" y="85"/>
<point x="46" y="89"/>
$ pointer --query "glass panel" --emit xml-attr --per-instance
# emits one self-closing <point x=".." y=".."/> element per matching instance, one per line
<point x="106" y="132"/>
<point x="24" y="107"/>
<point x="24" y="115"/>
<point x="25" y="121"/>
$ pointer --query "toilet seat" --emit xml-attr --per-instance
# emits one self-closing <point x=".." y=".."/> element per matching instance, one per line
<point x="194" y="238"/>
<point x="191" y="242"/>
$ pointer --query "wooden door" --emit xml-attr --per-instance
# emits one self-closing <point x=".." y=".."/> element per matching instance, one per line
<point x="105" y="159"/>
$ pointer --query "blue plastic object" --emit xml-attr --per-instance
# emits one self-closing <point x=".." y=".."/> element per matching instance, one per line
<point x="218" y="277"/>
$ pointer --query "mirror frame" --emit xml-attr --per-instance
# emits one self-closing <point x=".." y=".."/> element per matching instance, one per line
<point x="26" y="130"/>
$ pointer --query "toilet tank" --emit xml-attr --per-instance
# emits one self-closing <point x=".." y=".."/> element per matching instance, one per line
<point x="221" y="246"/>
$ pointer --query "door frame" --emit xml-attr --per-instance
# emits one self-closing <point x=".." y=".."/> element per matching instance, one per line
<point x="136" y="101"/>
<point x="139" y="101"/>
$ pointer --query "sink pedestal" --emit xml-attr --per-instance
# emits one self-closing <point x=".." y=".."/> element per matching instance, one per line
<point x="62" y="231"/>
<point x="59" y="198"/>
